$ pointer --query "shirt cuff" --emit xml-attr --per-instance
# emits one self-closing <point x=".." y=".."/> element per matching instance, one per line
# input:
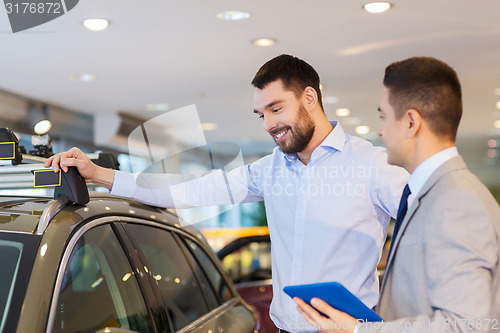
<point x="123" y="184"/>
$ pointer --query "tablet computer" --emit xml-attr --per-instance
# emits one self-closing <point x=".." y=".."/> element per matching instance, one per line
<point x="337" y="296"/>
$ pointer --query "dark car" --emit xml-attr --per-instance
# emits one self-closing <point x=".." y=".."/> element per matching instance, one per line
<point x="107" y="264"/>
<point x="248" y="262"/>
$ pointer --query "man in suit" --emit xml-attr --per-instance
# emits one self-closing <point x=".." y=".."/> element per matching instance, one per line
<point x="443" y="270"/>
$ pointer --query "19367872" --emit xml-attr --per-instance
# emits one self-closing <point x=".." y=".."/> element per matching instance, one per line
<point x="34" y="7"/>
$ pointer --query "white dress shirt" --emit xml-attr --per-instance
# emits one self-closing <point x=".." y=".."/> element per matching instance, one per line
<point x="327" y="219"/>
<point x="424" y="171"/>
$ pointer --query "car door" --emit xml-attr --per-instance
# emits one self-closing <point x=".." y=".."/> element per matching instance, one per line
<point x="237" y="317"/>
<point x="191" y="301"/>
<point x="97" y="287"/>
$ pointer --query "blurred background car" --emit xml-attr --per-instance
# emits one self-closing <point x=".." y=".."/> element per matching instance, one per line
<point x="245" y="253"/>
<point x="247" y="261"/>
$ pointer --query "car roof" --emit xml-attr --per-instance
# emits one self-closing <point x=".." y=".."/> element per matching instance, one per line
<point x="33" y="214"/>
<point x="21" y="213"/>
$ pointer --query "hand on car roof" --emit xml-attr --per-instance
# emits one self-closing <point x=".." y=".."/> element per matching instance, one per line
<point x="91" y="172"/>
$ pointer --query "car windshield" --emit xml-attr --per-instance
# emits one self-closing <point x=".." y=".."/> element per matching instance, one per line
<point x="10" y="258"/>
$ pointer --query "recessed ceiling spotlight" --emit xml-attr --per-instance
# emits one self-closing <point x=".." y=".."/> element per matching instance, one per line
<point x="96" y="24"/>
<point x="83" y="77"/>
<point x="157" y="107"/>
<point x="264" y="41"/>
<point x="498" y="105"/>
<point x="330" y="100"/>
<point x="351" y="121"/>
<point x="233" y="15"/>
<point x="209" y="126"/>
<point x="342" y="112"/>
<point x="377" y="7"/>
<point x="496" y="124"/>
<point x="362" y="129"/>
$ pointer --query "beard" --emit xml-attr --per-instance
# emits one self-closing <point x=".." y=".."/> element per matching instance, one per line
<point x="299" y="135"/>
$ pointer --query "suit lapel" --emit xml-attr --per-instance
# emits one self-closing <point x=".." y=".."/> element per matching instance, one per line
<point x="453" y="164"/>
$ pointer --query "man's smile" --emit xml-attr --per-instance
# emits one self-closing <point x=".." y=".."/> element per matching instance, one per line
<point x="280" y="135"/>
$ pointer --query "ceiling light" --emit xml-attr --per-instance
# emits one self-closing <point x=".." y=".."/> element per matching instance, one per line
<point x="351" y="121"/>
<point x="233" y="15"/>
<point x="496" y="123"/>
<point x="343" y="112"/>
<point x="377" y="7"/>
<point x="362" y="130"/>
<point x="157" y="107"/>
<point x="264" y="42"/>
<point x="498" y="105"/>
<point x="321" y="87"/>
<point x="330" y="100"/>
<point x="96" y="24"/>
<point x="83" y="77"/>
<point x="209" y="126"/>
<point x="497" y="91"/>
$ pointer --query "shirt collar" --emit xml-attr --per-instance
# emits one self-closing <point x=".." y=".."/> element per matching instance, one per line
<point x="335" y="139"/>
<point x="423" y="172"/>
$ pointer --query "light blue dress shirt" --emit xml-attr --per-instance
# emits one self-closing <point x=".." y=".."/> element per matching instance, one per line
<point x="327" y="219"/>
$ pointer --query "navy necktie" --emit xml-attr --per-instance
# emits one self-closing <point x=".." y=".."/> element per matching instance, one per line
<point x="403" y="208"/>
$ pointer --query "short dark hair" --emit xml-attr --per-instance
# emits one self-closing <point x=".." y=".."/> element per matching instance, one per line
<point x="429" y="86"/>
<point x="295" y="73"/>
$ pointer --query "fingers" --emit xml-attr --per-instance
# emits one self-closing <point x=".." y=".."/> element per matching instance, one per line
<point x="337" y="321"/>
<point x="325" y="308"/>
<point x="64" y="160"/>
<point x="305" y="309"/>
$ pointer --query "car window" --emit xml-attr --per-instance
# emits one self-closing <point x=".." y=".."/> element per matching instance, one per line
<point x="99" y="288"/>
<point x="179" y="287"/>
<point x="208" y="291"/>
<point x="218" y="282"/>
<point x="10" y="257"/>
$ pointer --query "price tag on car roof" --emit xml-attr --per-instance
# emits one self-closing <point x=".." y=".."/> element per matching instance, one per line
<point x="7" y="150"/>
<point x="45" y="178"/>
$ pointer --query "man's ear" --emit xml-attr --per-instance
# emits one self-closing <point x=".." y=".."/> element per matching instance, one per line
<point x="310" y="98"/>
<point x="414" y="122"/>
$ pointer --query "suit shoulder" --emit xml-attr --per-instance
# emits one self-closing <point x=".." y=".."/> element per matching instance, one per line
<point x="460" y="195"/>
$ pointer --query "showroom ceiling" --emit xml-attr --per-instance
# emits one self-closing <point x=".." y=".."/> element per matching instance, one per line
<point x="179" y="53"/>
